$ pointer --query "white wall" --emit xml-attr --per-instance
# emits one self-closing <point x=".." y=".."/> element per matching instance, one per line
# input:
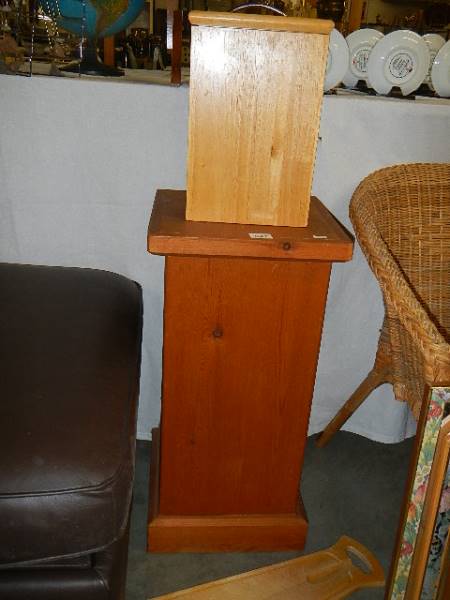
<point x="79" y="165"/>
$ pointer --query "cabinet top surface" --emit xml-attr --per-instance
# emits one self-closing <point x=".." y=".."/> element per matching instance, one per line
<point x="264" y="22"/>
<point x="170" y="233"/>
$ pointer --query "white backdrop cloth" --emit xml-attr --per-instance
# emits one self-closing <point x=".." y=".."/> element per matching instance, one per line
<point x="80" y="162"/>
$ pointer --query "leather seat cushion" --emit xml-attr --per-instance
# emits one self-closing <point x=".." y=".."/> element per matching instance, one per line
<point x="69" y="361"/>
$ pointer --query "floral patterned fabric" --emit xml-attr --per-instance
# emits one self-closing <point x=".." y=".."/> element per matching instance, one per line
<point x="439" y="397"/>
<point x="440" y="536"/>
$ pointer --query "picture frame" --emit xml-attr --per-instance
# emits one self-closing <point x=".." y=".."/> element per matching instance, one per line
<point x="422" y="549"/>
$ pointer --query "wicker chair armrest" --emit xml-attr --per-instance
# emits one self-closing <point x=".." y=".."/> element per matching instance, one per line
<point x="401" y="298"/>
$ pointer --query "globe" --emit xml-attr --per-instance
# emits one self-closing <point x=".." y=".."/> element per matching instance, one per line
<point x="93" y="19"/>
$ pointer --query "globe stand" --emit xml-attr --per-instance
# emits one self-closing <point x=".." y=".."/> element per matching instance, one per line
<point x="91" y="65"/>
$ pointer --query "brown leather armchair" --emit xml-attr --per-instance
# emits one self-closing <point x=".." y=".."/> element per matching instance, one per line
<point x="70" y="344"/>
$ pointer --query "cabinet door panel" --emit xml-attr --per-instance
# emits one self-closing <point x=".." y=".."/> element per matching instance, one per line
<point x="241" y="339"/>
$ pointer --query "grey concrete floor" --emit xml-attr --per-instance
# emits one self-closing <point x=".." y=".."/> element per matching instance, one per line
<point x="353" y="486"/>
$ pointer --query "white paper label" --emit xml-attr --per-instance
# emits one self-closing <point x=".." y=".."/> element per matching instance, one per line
<point x="261" y="236"/>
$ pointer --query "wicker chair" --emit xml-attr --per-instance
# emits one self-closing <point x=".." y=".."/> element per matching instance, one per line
<point x="401" y="216"/>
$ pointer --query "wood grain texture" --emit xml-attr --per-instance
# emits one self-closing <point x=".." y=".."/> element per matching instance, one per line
<point x="241" y="340"/>
<point x="262" y="22"/>
<point x="255" y="101"/>
<point x="219" y="533"/>
<point x="169" y="233"/>
<point x="237" y="533"/>
<point x="325" y="575"/>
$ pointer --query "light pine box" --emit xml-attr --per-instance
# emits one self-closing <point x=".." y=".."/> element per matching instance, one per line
<point x="256" y="88"/>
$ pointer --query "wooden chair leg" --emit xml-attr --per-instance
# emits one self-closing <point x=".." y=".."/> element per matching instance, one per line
<point x="372" y="381"/>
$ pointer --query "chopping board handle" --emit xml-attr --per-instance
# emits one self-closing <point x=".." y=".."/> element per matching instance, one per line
<point x="359" y="563"/>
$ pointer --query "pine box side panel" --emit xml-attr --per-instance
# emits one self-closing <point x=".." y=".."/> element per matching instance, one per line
<point x="255" y="101"/>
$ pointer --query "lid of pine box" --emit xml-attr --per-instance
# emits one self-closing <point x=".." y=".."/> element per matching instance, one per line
<point x="169" y="233"/>
<point x="262" y="22"/>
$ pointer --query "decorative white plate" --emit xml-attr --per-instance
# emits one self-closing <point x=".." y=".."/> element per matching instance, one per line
<point x="360" y="44"/>
<point x="400" y="59"/>
<point x="337" y="61"/>
<point x="440" y="71"/>
<point x="434" y="41"/>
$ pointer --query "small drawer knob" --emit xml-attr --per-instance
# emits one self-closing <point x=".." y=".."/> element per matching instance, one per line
<point x="217" y="333"/>
<point x="286" y="245"/>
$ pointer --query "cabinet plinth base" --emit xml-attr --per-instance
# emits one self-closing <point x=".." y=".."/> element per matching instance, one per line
<point x="219" y="533"/>
<point x="227" y="533"/>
